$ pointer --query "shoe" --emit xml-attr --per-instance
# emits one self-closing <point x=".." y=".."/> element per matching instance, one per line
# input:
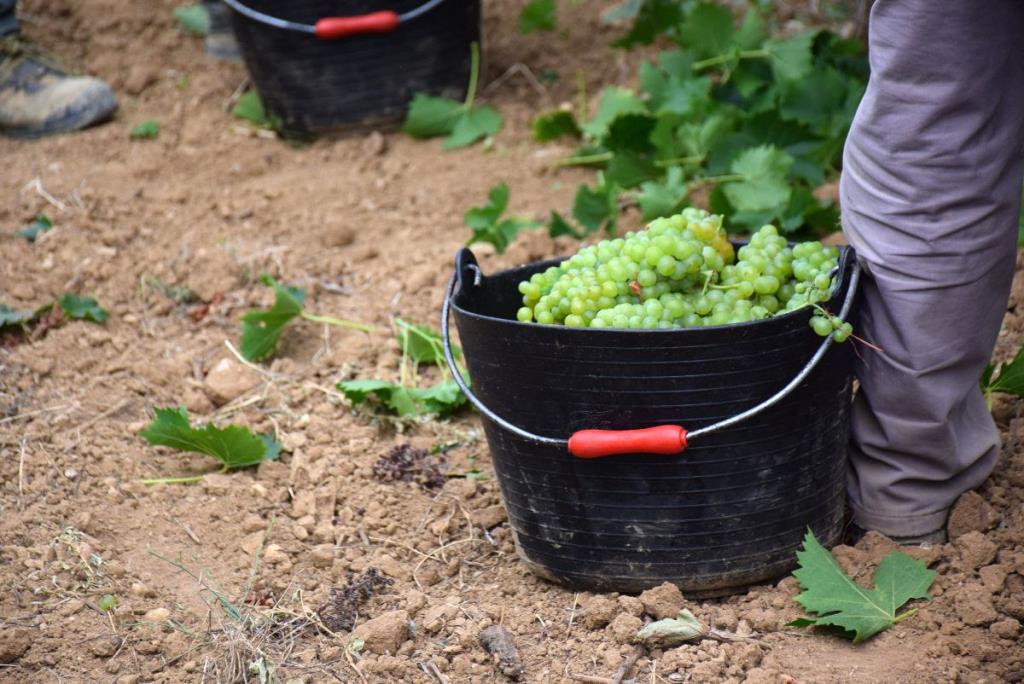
<point x="854" y="533"/>
<point x="220" y="40"/>
<point x="38" y="98"/>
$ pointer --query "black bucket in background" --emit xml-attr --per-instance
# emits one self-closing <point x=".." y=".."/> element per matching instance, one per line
<point x="728" y="512"/>
<point x="314" y="85"/>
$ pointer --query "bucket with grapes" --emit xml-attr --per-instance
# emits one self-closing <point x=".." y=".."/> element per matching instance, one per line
<point x="665" y="406"/>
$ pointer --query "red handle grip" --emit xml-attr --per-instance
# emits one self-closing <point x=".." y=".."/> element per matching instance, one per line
<point x="339" y="27"/>
<point x="664" y="439"/>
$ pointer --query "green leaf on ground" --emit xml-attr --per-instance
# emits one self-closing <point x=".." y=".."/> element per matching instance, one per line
<point x="250" y="108"/>
<point x="840" y="602"/>
<point x="473" y="124"/>
<point x="147" y="130"/>
<point x="664" y="197"/>
<point x="194" y="19"/>
<point x="763" y="182"/>
<point x="234" y="446"/>
<point x="430" y="117"/>
<point x="486" y="226"/>
<point x="40" y="224"/>
<point x="421" y="343"/>
<point x="554" y="124"/>
<point x="537" y="15"/>
<point x="406" y="402"/>
<point x="1007" y="378"/>
<point x="261" y="329"/>
<point x="82" y="308"/>
<point x="614" y="101"/>
<point x="14" y="317"/>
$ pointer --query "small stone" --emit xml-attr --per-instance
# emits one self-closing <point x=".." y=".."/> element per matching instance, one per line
<point x="140" y="76"/>
<point x="1005" y="629"/>
<point x="415" y="601"/>
<point x="489" y="517"/>
<point x="322" y="555"/>
<point x="104" y="646"/>
<point x="974" y="606"/>
<point x="993" y="577"/>
<point x="374" y="144"/>
<point x="976" y="550"/>
<point x="156" y="615"/>
<point x="253" y="523"/>
<point x="631" y="605"/>
<point x="971" y="513"/>
<point x="228" y="379"/>
<point x="392" y="567"/>
<point x="14" y="642"/>
<point x="663" y="601"/>
<point x="274" y="554"/>
<point x="141" y="590"/>
<point x="385" y="633"/>
<point x="435" y="617"/>
<point x="598" y="612"/>
<point x="72" y="607"/>
<point x="624" y="627"/>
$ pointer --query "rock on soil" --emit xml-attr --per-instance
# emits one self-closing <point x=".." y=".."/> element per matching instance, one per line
<point x="971" y="514"/>
<point x="598" y="612"/>
<point x="663" y="601"/>
<point x="228" y="379"/>
<point x="624" y="627"/>
<point x="976" y="550"/>
<point x="14" y="642"/>
<point x="384" y="633"/>
<point x="498" y="641"/>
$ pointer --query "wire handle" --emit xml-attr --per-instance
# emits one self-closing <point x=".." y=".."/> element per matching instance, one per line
<point x="663" y="439"/>
<point x="329" y="28"/>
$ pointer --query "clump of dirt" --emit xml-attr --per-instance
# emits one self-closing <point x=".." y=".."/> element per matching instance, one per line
<point x="406" y="463"/>
<point x="341" y="609"/>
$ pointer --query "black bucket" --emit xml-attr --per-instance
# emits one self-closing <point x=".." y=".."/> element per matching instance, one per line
<point x="766" y="403"/>
<point x="317" y="84"/>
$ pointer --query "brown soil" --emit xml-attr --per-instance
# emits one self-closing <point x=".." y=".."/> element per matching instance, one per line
<point x="368" y="224"/>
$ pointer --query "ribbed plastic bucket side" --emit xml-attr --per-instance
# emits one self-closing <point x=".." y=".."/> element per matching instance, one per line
<point x="728" y="512"/>
<point x="316" y="85"/>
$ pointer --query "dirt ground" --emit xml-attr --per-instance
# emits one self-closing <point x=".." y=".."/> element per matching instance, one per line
<point x="368" y="224"/>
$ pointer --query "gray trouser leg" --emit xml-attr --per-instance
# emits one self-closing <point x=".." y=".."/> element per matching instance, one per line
<point x="8" y="20"/>
<point x="930" y="193"/>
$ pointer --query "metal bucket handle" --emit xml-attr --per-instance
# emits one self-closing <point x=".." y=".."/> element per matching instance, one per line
<point x="663" y="439"/>
<point x="338" y="27"/>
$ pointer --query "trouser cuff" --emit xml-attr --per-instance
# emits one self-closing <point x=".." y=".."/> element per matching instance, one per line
<point x="893" y="525"/>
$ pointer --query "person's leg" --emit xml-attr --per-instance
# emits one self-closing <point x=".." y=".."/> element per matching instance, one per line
<point x="8" y="19"/>
<point x="930" y="195"/>
<point x="36" y="97"/>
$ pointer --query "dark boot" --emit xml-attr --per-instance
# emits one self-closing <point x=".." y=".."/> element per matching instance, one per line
<point x="38" y="98"/>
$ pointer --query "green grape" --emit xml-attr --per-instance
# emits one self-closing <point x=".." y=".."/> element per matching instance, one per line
<point x="821" y="325"/>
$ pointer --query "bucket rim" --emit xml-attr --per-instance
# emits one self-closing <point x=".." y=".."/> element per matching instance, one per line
<point x="466" y="261"/>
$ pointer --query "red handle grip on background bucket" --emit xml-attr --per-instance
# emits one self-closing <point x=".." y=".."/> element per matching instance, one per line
<point x="664" y="439"/>
<point x="339" y="27"/>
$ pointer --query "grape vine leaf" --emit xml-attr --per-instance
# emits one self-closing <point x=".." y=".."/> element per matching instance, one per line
<point x="486" y="226"/>
<point x="439" y="399"/>
<point x="663" y="197"/>
<point x="707" y="30"/>
<point x="193" y="19"/>
<point x="147" y="130"/>
<point x="650" y="18"/>
<point x="553" y="125"/>
<point x="472" y="124"/>
<point x="40" y="224"/>
<point x="597" y="206"/>
<point x="537" y="15"/>
<point x="430" y="117"/>
<point x="763" y="185"/>
<point x="261" y="329"/>
<point x="1006" y="377"/>
<point x="234" y="446"/>
<point x="614" y="101"/>
<point x="14" y="317"/>
<point x="791" y="57"/>
<point x="421" y="343"/>
<point x="840" y="602"/>
<point x="82" y="308"/>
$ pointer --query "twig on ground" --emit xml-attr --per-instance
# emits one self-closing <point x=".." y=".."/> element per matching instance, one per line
<point x="627" y="664"/>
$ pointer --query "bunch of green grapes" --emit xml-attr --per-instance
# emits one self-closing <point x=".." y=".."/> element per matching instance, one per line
<point x="681" y="272"/>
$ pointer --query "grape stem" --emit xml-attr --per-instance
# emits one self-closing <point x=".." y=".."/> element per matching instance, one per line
<point x="707" y="281"/>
